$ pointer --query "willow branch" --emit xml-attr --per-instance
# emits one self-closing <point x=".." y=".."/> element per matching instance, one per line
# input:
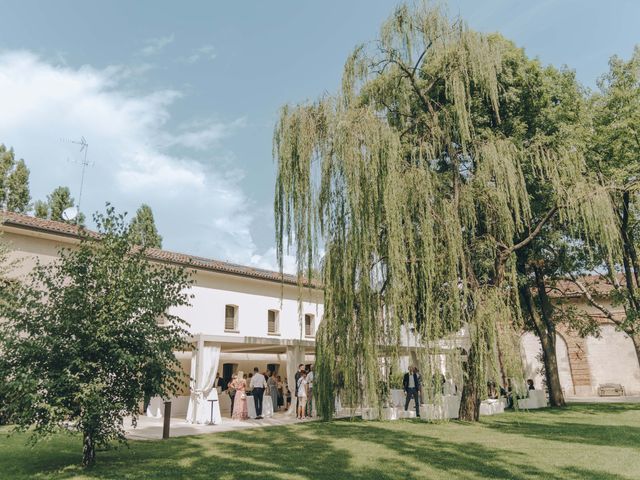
<point x="592" y="301"/>
<point x="534" y="233"/>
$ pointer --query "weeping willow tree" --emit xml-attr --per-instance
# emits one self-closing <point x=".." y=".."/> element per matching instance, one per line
<point x="408" y="192"/>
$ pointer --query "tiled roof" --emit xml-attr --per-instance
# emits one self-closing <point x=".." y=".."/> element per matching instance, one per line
<point x="596" y="285"/>
<point x="68" y="230"/>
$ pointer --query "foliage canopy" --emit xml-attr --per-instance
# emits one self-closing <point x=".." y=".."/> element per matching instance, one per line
<point x="90" y="335"/>
<point x="414" y="182"/>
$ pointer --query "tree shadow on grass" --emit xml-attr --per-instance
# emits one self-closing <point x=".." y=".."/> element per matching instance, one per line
<point x="573" y="432"/>
<point x="591" y="408"/>
<point x="328" y="451"/>
<point x="462" y="460"/>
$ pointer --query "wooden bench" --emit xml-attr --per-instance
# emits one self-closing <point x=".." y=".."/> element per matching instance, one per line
<point x="610" y="390"/>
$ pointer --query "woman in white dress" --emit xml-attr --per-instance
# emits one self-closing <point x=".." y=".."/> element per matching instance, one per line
<point x="302" y="389"/>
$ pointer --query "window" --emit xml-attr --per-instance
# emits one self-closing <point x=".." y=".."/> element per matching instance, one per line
<point x="230" y="318"/>
<point x="308" y="325"/>
<point x="273" y="326"/>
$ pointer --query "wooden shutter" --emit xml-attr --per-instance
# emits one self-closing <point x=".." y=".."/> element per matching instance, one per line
<point x="308" y="325"/>
<point x="272" y="326"/>
<point x="230" y="317"/>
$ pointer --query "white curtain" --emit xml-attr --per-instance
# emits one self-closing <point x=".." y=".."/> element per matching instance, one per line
<point x="295" y="356"/>
<point x="204" y="365"/>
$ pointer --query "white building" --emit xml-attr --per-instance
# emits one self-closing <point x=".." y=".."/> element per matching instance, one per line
<point x="243" y="317"/>
<point x="240" y="317"/>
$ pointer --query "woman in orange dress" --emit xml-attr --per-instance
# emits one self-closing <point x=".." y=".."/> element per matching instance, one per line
<point x="240" y="411"/>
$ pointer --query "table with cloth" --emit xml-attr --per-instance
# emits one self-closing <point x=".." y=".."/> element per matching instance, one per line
<point x="536" y="399"/>
<point x="267" y="406"/>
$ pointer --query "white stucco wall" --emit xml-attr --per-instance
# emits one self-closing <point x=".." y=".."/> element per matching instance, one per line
<point x="212" y="291"/>
<point x="612" y="359"/>
<point x="531" y="352"/>
<point x="253" y="298"/>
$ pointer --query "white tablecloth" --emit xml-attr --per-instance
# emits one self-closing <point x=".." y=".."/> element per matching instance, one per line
<point x="537" y="399"/>
<point x="155" y="407"/>
<point x="492" y="406"/>
<point x="397" y="398"/>
<point x="446" y="407"/>
<point x="267" y="406"/>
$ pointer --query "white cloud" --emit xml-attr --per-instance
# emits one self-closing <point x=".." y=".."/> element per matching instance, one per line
<point x="205" y="52"/>
<point x="199" y="203"/>
<point x="202" y="135"/>
<point x="156" y="45"/>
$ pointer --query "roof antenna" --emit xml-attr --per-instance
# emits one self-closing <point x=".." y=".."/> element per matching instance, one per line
<point x="84" y="147"/>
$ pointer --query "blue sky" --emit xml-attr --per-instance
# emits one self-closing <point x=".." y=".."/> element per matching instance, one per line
<point x="178" y="99"/>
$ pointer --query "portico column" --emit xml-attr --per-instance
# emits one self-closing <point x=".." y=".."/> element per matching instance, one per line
<point x="295" y="356"/>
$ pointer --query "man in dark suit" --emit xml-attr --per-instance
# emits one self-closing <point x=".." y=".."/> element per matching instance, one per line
<point x="411" y="385"/>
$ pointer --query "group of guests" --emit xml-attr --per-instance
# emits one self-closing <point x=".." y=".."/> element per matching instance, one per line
<point x="304" y="392"/>
<point x="506" y="391"/>
<point x="254" y="386"/>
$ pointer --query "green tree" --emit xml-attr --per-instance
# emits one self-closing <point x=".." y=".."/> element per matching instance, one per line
<point x="41" y="209"/>
<point x="143" y="228"/>
<point x="417" y="193"/>
<point x="92" y="335"/>
<point x="543" y="106"/>
<point x="615" y="158"/>
<point x="59" y="200"/>
<point x="14" y="182"/>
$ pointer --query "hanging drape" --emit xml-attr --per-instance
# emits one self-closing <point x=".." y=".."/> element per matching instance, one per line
<point x="204" y="365"/>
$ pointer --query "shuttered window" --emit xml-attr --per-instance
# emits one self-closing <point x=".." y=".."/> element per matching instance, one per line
<point x="308" y="325"/>
<point x="272" y="321"/>
<point x="230" y="317"/>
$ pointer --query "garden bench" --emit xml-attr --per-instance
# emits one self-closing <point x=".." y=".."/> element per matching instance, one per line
<point x="610" y="390"/>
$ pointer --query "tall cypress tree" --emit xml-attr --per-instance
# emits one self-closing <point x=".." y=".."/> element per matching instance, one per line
<point x="14" y="182"/>
<point x="143" y="228"/>
<point x="59" y="200"/>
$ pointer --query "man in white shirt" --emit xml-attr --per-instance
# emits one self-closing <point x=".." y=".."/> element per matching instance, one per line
<point x="411" y="384"/>
<point x="258" y="384"/>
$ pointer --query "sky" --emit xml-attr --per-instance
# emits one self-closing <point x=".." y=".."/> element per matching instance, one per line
<point x="178" y="100"/>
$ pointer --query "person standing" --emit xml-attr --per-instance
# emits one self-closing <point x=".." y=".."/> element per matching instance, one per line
<point x="218" y="383"/>
<point x="302" y="392"/>
<point x="411" y="384"/>
<point x="272" y="384"/>
<point x="231" y="390"/>
<point x="240" y="411"/>
<point x="310" y="377"/>
<point x="258" y="384"/>
<point x="295" y="383"/>
<point x="281" y="392"/>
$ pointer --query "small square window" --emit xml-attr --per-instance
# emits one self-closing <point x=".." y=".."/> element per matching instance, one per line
<point x="273" y="326"/>
<point x="308" y="325"/>
<point x="230" y="318"/>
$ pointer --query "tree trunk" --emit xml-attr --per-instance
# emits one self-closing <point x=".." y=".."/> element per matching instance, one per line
<point x="635" y="338"/>
<point x="470" y="399"/>
<point x="547" y="334"/>
<point x="556" y="397"/>
<point x="548" y="344"/>
<point x="88" y="450"/>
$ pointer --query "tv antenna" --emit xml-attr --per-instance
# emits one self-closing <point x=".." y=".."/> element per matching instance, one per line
<point x="84" y="147"/>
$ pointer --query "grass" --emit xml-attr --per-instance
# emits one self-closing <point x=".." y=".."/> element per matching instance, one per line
<point x="584" y="441"/>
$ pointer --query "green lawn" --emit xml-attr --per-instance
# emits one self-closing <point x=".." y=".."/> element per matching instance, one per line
<point x="580" y="442"/>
